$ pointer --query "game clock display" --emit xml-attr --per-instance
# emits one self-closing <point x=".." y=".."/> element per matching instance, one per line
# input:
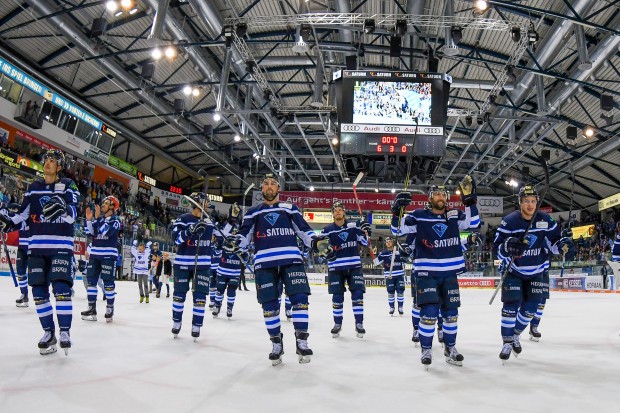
<point x="388" y="144"/>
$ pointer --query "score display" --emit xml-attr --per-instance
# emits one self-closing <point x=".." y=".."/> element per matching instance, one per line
<point x="384" y="112"/>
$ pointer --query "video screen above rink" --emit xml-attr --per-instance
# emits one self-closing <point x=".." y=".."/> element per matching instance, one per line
<point x="382" y="112"/>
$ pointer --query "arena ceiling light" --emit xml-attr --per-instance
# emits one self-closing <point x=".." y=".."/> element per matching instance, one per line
<point x="588" y="132"/>
<point x="187" y="90"/>
<point x="369" y="26"/>
<point x="156" y="53"/>
<point x="400" y="27"/>
<point x="481" y="5"/>
<point x="170" y="52"/>
<point x="515" y="34"/>
<point x="111" y="6"/>
<point x="237" y="138"/>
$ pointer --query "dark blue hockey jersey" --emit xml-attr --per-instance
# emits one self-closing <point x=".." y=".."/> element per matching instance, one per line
<point x="274" y="229"/>
<point x="345" y="240"/>
<point x="49" y="238"/>
<point x="24" y="236"/>
<point x="544" y="235"/>
<point x="438" y="251"/>
<point x="186" y="251"/>
<point x="385" y="258"/>
<point x="615" y="252"/>
<point x="105" y="237"/>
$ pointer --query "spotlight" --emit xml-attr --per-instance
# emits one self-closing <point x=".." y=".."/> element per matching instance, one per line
<point x="217" y="117"/>
<point x="481" y="5"/>
<point x="126" y="4"/>
<point x="510" y="72"/>
<point x="241" y="29"/>
<point x="187" y="90"/>
<point x="156" y="54"/>
<point x="195" y="92"/>
<point x="170" y="52"/>
<point x="133" y="11"/>
<point x="267" y="94"/>
<point x="458" y="192"/>
<point x="492" y="103"/>
<point x="376" y="189"/>
<point x="311" y="187"/>
<point x="515" y="34"/>
<point x="112" y="6"/>
<point x="393" y="190"/>
<point x="588" y="132"/>
<point x="334" y="141"/>
<point x="532" y="35"/>
<point x="400" y="28"/>
<point x="608" y="119"/>
<point x="118" y="13"/>
<point x="304" y="31"/>
<point x="457" y="35"/>
<point x="369" y="26"/>
<point x="479" y="120"/>
<point x="228" y="32"/>
<point x="468" y="120"/>
<point x="250" y="65"/>
<point x="237" y="138"/>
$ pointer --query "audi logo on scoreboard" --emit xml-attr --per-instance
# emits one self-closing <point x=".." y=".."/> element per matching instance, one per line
<point x="350" y="128"/>
<point x="400" y="129"/>
<point x="391" y="129"/>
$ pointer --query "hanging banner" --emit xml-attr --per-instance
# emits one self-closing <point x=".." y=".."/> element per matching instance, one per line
<point x="122" y="165"/>
<point x="490" y="205"/>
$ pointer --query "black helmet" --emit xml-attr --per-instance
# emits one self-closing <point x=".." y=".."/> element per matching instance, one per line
<point x="437" y="188"/>
<point x="55" y="154"/>
<point x="200" y="198"/>
<point x="337" y="204"/>
<point x="527" y="190"/>
<point x="270" y="176"/>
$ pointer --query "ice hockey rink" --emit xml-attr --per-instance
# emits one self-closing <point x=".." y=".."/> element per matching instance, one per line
<point x="135" y="365"/>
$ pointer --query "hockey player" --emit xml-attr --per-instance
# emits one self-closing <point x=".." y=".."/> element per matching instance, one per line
<point x="274" y="225"/>
<point x="216" y="258"/>
<point x="104" y="226"/>
<point x="154" y="258"/>
<point x="140" y="254"/>
<point x="22" y="259"/>
<point x="227" y="276"/>
<point x="49" y="208"/>
<point x="192" y="235"/>
<point x="394" y="273"/>
<point x="522" y="289"/>
<point x="438" y="259"/>
<point x="345" y="266"/>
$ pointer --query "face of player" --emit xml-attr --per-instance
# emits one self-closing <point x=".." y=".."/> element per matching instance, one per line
<point x="338" y="214"/>
<point x="438" y="200"/>
<point x="51" y="167"/>
<point x="389" y="243"/>
<point x="106" y="206"/>
<point x="141" y="248"/>
<point x="270" y="189"/>
<point x="528" y="206"/>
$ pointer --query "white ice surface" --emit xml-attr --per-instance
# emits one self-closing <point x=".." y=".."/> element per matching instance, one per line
<point x="134" y="364"/>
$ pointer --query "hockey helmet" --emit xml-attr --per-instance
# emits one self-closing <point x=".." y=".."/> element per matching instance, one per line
<point x="200" y="198"/>
<point x="269" y="176"/>
<point x="337" y="204"/>
<point x="55" y="154"/>
<point x="113" y="201"/>
<point x="437" y="189"/>
<point x="527" y="190"/>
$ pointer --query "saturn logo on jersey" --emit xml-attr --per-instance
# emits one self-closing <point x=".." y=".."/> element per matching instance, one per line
<point x="44" y="200"/>
<point x="343" y="236"/>
<point x="531" y="239"/>
<point x="272" y="218"/>
<point x="440" y="229"/>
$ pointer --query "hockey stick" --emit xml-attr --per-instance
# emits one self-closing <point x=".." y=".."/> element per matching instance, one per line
<point x="8" y="258"/>
<point x="543" y="163"/>
<point x="570" y="211"/>
<point x="359" y="208"/>
<point x="204" y="214"/>
<point x="245" y="194"/>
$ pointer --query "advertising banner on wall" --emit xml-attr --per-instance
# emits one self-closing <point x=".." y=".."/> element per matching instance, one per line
<point x="490" y="205"/>
<point x="122" y="166"/>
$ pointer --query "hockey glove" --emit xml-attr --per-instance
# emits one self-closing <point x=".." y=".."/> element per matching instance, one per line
<point x="365" y="227"/>
<point x="244" y="256"/>
<point x="402" y="201"/>
<point x="197" y="229"/>
<point x="314" y="244"/>
<point x="404" y="250"/>
<point x="329" y="254"/>
<point x="468" y="191"/>
<point x="474" y="240"/>
<point x="82" y="265"/>
<point x="6" y="223"/>
<point x="54" y="208"/>
<point x="514" y="247"/>
<point x="566" y="246"/>
<point x="231" y="244"/>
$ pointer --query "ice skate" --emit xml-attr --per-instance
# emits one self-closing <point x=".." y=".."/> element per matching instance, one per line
<point x="22" y="301"/>
<point x="400" y="310"/>
<point x="416" y="337"/>
<point x="277" y="350"/>
<point x="516" y="345"/>
<point x="534" y="333"/>
<point x="141" y="299"/>
<point x="109" y="314"/>
<point x="147" y="299"/>
<point x="211" y="305"/>
<point x="216" y="311"/>
<point x="426" y="358"/>
<point x="360" y="330"/>
<point x="440" y="336"/>
<point x="336" y="330"/>
<point x="229" y="313"/>
<point x="304" y="354"/>
<point x="504" y="355"/>
<point x="65" y="341"/>
<point x="47" y="344"/>
<point x="289" y="315"/>
<point x="176" y="328"/>
<point x="195" y="332"/>
<point x="90" y="314"/>
<point x="392" y="311"/>
<point x="453" y="356"/>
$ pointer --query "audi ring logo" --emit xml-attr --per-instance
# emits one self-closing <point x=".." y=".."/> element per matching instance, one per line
<point x="350" y="128"/>
<point x="488" y="202"/>
<point x="391" y="129"/>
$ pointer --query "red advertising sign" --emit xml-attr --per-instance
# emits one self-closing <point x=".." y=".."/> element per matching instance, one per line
<point x="34" y="140"/>
<point x="369" y="201"/>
